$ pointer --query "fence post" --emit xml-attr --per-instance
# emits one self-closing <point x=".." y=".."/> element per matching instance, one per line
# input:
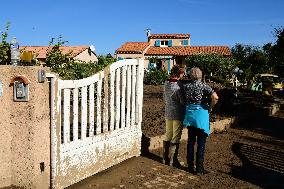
<point x="139" y="91"/>
<point x="55" y="103"/>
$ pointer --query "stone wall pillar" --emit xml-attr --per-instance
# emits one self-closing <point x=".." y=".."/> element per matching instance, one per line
<point x="25" y="132"/>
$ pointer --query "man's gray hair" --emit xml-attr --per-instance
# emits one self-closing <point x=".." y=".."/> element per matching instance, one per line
<point x="195" y="73"/>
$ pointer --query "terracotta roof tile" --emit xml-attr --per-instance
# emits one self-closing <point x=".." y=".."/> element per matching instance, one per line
<point x="74" y="50"/>
<point x="41" y="51"/>
<point x="169" y="36"/>
<point x="189" y="50"/>
<point x="133" y="47"/>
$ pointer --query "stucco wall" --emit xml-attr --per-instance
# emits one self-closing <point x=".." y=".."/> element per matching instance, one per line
<point x="25" y="130"/>
<point x="5" y="130"/>
<point x="85" y="56"/>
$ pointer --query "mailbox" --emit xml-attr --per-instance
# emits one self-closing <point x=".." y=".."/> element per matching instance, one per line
<point x="21" y="88"/>
<point x="41" y="76"/>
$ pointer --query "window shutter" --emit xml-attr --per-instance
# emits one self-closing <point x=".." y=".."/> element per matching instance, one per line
<point x="185" y="42"/>
<point x="157" y="43"/>
<point x="170" y="43"/>
<point x="169" y="66"/>
<point x="119" y="58"/>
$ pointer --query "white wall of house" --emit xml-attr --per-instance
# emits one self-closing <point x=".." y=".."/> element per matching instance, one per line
<point x="129" y="56"/>
<point x="86" y="56"/>
<point x="134" y="56"/>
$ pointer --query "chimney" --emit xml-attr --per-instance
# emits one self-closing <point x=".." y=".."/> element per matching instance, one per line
<point x="148" y="32"/>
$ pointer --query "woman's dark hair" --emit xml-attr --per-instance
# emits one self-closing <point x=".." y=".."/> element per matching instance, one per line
<point x="175" y="71"/>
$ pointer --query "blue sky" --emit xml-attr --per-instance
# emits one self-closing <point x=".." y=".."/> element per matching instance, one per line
<point x="107" y="24"/>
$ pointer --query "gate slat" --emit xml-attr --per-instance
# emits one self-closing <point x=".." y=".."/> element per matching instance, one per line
<point x="137" y="94"/>
<point x="112" y="77"/>
<point x="66" y="116"/>
<point x="128" y="95"/>
<point x="91" y="110"/>
<point x="123" y="88"/>
<point x="106" y="107"/>
<point x="75" y="114"/>
<point x="140" y="97"/>
<point x="133" y="91"/>
<point x="117" y="104"/>
<point x="99" y="99"/>
<point x="84" y="112"/>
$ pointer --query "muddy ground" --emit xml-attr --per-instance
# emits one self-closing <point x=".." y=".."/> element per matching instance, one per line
<point x="250" y="154"/>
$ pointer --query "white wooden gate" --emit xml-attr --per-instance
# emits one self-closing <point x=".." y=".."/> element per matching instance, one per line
<point x="96" y="121"/>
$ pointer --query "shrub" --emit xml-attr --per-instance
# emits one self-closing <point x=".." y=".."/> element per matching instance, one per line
<point x="5" y="54"/>
<point x="155" y="77"/>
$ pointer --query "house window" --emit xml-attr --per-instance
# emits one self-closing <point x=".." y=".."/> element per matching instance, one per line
<point x="183" y="42"/>
<point x="164" y="43"/>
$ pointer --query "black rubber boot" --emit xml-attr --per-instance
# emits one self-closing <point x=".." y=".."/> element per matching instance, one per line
<point x="199" y="166"/>
<point x="190" y="149"/>
<point x="166" y="150"/>
<point x="201" y="140"/>
<point x="190" y="166"/>
<point x="174" y="155"/>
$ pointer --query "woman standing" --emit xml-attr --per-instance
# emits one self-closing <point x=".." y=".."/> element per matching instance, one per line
<point x="199" y="100"/>
<point x="174" y="114"/>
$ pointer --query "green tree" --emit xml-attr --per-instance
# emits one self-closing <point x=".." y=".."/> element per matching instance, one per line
<point x="277" y="52"/>
<point x="155" y="77"/>
<point x="212" y="64"/>
<point x="104" y="61"/>
<point x="5" y="54"/>
<point x="240" y="54"/>
<point x="68" y="68"/>
<point x="259" y="61"/>
<point x="55" y="59"/>
<point x="252" y="59"/>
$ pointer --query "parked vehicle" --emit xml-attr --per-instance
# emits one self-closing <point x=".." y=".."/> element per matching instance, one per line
<point x="269" y="84"/>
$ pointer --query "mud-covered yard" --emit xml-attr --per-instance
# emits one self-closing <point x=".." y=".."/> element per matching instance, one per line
<point x="250" y="154"/>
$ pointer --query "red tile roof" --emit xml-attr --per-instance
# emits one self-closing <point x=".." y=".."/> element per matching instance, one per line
<point x="74" y="50"/>
<point x="169" y="36"/>
<point x="133" y="47"/>
<point x="41" y="51"/>
<point x="188" y="50"/>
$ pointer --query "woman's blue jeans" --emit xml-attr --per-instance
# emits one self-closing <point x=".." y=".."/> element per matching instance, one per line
<point x="193" y="134"/>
